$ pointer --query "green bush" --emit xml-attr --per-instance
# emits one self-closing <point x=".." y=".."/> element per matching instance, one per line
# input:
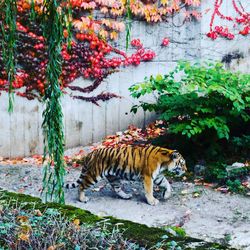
<point x="236" y="186"/>
<point x="205" y="97"/>
<point x="225" y="175"/>
<point x="206" y="108"/>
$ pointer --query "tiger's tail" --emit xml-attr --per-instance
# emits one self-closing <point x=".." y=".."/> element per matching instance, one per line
<point x="80" y="179"/>
<point x="73" y="185"/>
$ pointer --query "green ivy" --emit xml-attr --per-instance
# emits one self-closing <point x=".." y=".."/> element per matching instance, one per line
<point x="32" y="10"/>
<point x="236" y="186"/>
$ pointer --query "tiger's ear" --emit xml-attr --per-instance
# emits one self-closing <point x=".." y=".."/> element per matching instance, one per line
<point x="165" y="152"/>
<point x="174" y="155"/>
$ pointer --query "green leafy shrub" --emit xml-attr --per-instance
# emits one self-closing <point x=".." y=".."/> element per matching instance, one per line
<point x="205" y="106"/>
<point x="205" y="97"/>
<point x="236" y="186"/>
<point x="224" y="175"/>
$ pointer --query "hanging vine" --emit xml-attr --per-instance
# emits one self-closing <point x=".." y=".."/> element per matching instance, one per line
<point x="54" y="170"/>
<point x="8" y="29"/>
<point x="128" y="21"/>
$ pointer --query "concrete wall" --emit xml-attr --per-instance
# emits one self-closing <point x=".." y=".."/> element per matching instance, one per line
<point x="20" y="132"/>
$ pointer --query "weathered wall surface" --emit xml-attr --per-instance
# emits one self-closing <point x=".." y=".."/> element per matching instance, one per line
<point x="20" y="132"/>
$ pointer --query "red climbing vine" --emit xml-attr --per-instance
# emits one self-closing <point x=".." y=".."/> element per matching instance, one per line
<point x="241" y="19"/>
<point x="87" y="58"/>
<point x="91" y="55"/>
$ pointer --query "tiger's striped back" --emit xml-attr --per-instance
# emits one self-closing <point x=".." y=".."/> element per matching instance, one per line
<point x="122" y="161"/>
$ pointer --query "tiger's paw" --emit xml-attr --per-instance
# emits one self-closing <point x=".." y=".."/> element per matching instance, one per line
<point x="126" y="196"/>
<point x="122" y="194"/>
<point x="85" y="199"/>
<point x="153" y="201"/>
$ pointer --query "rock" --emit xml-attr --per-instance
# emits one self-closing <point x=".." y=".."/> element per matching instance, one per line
<point x="235" y="165"/>
<point x="102" y="214"/>
<point x="199" y="170"/>
<point x="238" y="164"/>
<point x="171" y="231"/>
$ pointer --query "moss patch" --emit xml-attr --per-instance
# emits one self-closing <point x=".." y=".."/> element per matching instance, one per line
<point x="142" y="234"/>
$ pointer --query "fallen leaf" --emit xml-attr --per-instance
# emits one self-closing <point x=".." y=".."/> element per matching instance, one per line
<point x="22" y="218"/>
<point x="60" y="245"/>
<point x="184" y="192"/>
<point x="184" y="219"/>
<point x="75" y="165"/>
<point x="38" y="212"/>
<point x="198" y="183"/>
<point x="24" y="179"/>
<point x="76" y="223"/>
<point x="36" y="156"/>
<point x="51" y="248"/>
<point x="208" y="184"/>
<point x="24" y="237"/>
<point x="21" y="190"/>
<point x="195" y="195"/>
<point x="198" y="180"/>
<point x="25" y="228"/>
<point x="222" y="189"/>
<point x="246" y="184"/>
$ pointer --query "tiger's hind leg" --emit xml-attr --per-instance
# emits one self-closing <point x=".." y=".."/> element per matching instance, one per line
<point x="161" y="181"/>
<point x="116" y="186"/>
<point x="82" y="196"/>
<point x="88" y="179"/>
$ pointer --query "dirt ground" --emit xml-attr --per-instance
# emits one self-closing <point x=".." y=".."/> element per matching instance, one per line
<point x="211" y="215"/>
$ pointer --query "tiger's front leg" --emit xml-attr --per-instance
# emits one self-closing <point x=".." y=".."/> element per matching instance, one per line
<point x="148" y="186"/>
<point x="161" y="181"/>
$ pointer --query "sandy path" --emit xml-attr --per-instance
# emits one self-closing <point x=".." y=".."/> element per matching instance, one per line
<point x="211" y="216"/>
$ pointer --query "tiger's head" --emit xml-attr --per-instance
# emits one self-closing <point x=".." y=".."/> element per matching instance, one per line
<point x="176" y="163"/>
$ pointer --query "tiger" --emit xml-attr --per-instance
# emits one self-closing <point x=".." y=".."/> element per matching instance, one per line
<point x="130" y="163"/>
